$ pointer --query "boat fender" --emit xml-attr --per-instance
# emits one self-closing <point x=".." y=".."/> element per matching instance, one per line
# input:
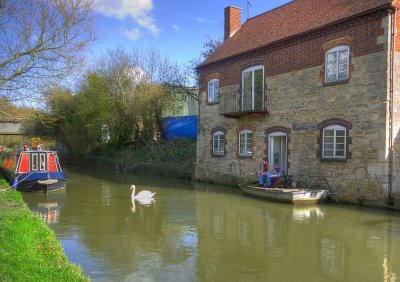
<point x="15" y="183"/>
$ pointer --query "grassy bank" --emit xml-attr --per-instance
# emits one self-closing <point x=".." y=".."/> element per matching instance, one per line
<point x="29" y="250"/>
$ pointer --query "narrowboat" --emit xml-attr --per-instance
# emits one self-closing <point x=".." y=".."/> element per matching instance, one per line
<point x="32" y="170"/>
<point x="286" y="195"/>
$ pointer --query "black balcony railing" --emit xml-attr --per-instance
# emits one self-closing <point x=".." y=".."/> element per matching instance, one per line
<point x="243" y="102"/>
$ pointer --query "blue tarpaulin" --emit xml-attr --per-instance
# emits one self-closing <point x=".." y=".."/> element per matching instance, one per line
<point x="180" y="127"/>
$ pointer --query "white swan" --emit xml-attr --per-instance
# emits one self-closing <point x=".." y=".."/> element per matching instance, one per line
<point x="142" y="194"/>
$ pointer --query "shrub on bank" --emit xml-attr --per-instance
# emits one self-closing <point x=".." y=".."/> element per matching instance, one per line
<point x="174" y="159"/>
<point x="177" y="150"/>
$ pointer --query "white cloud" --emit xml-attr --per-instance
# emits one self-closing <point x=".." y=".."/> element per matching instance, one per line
<point x="176" y="27"/>
<point x="132" y="34"/>
<point x="196" y="19"/>
<point x="137" y="10"/>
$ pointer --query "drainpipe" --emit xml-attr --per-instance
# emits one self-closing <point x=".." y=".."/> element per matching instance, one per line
<point x="392" y="14"/>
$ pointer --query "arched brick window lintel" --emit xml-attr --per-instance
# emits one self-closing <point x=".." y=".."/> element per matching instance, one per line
<point x="277" y="129"/>
<point x="215" y="75"/>
<point x="252" y="63"/>
<point x="342" y="41"/>
<point x="244" y="127"/>
<point x="218" y="128"/>
<point x="335" y="121"/>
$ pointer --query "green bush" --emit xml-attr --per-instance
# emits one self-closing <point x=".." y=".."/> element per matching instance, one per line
<point x="177" y="150"/>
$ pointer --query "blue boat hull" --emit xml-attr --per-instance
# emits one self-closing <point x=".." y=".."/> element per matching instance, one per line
<point x="35" y="186"/>
<point x="40" y="182"/>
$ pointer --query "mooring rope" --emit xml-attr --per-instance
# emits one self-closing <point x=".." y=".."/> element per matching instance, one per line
<point x="5" y="189"/>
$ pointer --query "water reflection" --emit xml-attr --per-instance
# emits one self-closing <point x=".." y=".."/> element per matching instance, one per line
<point x="388" y="275"/>
<point x="332" y="258"/>
<point x="46" y="205"/>
<point x="105" y="191"/>
<point x="305" y="213"/>
<point x="201" y="232"/>
<point x="143" y="202"/>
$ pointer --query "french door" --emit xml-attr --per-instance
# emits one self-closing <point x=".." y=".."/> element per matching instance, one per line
<point x="253" y="88"/>
<point x="278" y="151"/>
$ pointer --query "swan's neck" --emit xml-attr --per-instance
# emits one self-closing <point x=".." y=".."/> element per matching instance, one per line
<point x="133" y="191"/>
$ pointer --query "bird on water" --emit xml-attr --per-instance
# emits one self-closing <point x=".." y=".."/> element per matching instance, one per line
<point x="142" y="194"/>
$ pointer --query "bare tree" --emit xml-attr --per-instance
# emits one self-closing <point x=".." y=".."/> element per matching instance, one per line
<point x="209" y="47"/>
<point x="41" y="40"/>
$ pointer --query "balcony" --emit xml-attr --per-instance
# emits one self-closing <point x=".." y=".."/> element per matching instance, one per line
<point x="243" y="102"/>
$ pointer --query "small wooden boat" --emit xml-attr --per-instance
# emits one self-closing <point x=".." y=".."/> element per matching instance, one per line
<point x="33" y="171"/>
<point x="286" y="195"/>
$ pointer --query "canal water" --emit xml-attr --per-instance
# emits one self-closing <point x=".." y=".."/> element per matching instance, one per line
<point x="203" y="232"/>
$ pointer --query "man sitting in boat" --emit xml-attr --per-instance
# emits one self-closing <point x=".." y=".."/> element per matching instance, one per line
<point x="265" y="174"/>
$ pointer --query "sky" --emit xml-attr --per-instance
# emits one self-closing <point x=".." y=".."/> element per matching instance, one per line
<point x="177" y="28"/>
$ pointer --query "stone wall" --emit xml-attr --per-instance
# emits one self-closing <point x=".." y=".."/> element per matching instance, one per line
<point x="9" y="127"/>
<point x="298" y="100"/>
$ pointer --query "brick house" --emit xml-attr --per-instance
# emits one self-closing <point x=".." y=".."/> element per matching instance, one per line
<point x="312" y="85"/>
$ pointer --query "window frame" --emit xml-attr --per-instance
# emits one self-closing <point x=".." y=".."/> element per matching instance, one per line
<point x="42" y="162"/>
<point x="211" y="97"/>
<point x="218" y="134"/>
<point x="335" y="128"/>
<point x="246" y="132"/>
<point x="252" y="70"/>
<point x="35" y="162"/>
<point x="337" y="50"/>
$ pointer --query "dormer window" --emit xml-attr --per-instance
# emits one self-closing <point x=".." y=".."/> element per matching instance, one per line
<point x="213" y="91"/>
<point x="337" y="64"/>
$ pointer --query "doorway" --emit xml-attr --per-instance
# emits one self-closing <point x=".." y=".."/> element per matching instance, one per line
<point x="278" y="151"/>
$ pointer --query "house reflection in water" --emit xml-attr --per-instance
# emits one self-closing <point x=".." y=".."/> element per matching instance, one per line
<point x="332" y="258"/>
<point x="264" y="239"/>
<point x="388" y="275"/>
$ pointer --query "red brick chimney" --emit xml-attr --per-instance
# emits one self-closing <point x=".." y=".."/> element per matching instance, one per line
<point x="232" y="21"/>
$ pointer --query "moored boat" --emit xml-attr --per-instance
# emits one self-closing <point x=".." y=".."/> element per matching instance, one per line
<point x="286" y="195"/>
<point x="33" y="170"/>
